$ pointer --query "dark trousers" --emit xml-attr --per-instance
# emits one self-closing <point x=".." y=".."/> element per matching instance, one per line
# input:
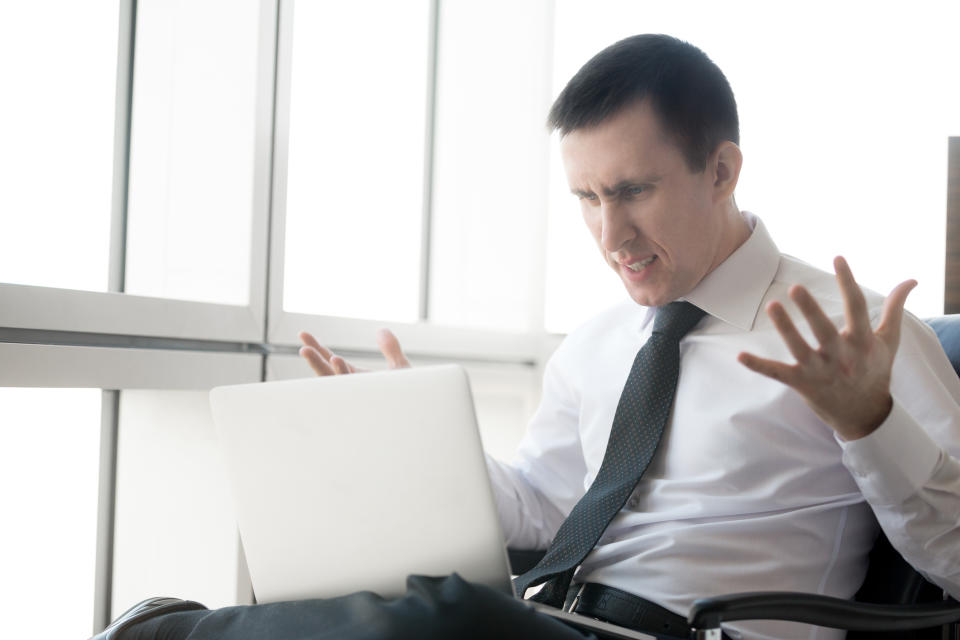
<point x="432" y="609"/>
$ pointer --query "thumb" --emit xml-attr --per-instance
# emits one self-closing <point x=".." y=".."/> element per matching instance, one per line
<point x="390" y="348"/>
<point x="889" y="328"/>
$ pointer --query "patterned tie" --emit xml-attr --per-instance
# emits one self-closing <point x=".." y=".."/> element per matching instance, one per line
<point x="642" y="412"/>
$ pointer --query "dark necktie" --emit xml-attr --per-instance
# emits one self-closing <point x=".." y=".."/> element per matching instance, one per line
<point x="638" y="423"/>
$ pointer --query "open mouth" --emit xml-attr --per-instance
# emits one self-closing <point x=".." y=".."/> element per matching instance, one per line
<point x="642" y="264"/>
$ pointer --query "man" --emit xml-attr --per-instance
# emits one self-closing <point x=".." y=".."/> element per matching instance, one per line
<point x="758" y="482"/>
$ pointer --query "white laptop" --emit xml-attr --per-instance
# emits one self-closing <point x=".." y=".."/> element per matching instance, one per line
<point x="352" y="483"/>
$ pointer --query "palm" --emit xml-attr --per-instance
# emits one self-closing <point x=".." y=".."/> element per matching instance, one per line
<point x="846" y="379"/>
<point x="325" y="363"/>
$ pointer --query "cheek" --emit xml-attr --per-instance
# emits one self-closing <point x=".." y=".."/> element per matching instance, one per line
<point x="592" y="219"/>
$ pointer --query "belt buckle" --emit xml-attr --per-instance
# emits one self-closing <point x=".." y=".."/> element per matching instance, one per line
<point x="576" y="599"/>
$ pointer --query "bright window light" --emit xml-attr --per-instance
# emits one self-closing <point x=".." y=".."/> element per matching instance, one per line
<point x="355" y="169"/>
<point x="175" y="521"/>
<point x="58" y="61"/>
<point x="489" y="177"/>
<point x="49" y="471"/>
<point x="192" y="150"/>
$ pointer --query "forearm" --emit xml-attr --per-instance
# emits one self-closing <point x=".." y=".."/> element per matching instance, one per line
<point x="528" y="518"/>
<point x="925" y="527"/>
<point x="913" y="485"/>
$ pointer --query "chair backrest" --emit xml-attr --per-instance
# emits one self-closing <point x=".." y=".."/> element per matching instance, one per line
<point x="947" y="329"/>
<point x="890" y="579"/>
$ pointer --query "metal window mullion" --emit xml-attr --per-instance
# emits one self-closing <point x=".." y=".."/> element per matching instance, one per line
<point x="433" y="32"/>
<point x="121" y="145"/>
<point x="110" y="403"/>
<point x="106" y="509"/>
<point x="264" y="163"/>
<point x="278" y="167"/>
<point x="268" y="87"/>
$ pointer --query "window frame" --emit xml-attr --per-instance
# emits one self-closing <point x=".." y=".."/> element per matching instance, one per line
<point x="114" y="341"/>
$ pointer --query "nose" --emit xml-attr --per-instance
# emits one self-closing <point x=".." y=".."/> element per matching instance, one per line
<point x="616" y="229"/>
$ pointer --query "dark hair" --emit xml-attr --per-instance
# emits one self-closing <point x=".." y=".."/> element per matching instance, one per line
<point x="687" y="91"/>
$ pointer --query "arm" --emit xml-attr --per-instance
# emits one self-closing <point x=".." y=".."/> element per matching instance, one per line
<point x="913" y="486"/>
<point x="909" y="468"/>
<point x="905" y="472"/>
<point x="539" y="487"/>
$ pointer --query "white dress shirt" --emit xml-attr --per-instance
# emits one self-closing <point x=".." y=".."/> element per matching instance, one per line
<point x="749" y="490"/>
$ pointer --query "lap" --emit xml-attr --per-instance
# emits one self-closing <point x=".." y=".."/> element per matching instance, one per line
<point x="432" y="609"/>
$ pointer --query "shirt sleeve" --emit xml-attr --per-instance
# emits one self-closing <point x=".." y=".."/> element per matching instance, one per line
<point x="540" y="486"/>
<point x="908" y="469"/>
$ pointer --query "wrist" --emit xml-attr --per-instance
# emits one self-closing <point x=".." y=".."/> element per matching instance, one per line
<point x="866" y="423"/>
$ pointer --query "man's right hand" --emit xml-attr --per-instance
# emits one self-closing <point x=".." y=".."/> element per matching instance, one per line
<point x="325" y="363"/>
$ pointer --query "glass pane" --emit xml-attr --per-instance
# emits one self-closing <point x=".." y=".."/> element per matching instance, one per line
<point x="49" y="471"/>
<point x="58" y="62"/>
<point x="845" y="143"/>
<point x="355" y="173"/>
<point x="486" y="262"/>
<point x="192" y="150"/>
<point x="175" y="525"/>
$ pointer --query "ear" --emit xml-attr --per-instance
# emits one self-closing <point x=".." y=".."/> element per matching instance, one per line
<point x="725" y="163"/>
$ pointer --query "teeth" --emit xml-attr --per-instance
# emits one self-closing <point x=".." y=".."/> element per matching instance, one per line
<point x="636" y="266"/>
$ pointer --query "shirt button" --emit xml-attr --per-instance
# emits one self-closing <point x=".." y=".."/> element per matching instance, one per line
<point x="633" y="502"/>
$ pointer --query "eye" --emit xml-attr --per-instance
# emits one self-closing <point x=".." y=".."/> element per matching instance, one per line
<point x="591" y="197"/>
<point x="634" y="190"/>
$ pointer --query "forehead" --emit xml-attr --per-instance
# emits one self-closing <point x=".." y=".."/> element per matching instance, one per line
<point x="628" y="145"/>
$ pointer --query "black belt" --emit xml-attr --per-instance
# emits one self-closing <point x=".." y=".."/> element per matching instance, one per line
<point x="627" y="610"/>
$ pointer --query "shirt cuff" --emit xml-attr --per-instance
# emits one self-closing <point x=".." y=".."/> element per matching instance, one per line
<point x="893" y="462"/>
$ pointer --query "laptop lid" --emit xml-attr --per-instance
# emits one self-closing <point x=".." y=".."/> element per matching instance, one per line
<point x="350" y="483"/>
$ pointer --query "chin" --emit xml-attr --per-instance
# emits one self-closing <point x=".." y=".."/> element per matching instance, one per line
<point x="647" y="298"/>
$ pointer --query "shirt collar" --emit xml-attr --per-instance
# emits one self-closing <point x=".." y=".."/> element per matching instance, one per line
<point x="734" y="290"/>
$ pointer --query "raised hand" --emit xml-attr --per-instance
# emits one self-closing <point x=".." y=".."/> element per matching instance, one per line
<point x="846" y="380"/>
<point x="325" y="363"/>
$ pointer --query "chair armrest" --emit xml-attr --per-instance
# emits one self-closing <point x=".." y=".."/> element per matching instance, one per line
<point x="824" y="611"/>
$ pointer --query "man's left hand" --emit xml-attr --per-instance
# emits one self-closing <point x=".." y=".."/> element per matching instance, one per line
<point x="846" y="380"/>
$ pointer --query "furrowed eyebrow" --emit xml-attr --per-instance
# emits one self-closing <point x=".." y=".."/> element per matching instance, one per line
<point x="617" y="188"/>
<point x="623" y="184"/>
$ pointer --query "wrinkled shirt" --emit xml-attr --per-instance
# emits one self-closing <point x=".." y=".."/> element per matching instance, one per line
<point x="749" y="490"/>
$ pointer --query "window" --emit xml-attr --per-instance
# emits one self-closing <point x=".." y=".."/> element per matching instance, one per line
<point x="486" y="263"/>
<point x="354" y="187"/>
<point x="57" y="124"/>
<point x="175" y="524"/>
<point x="192" y="146"/>
<point x="49" y="473"/>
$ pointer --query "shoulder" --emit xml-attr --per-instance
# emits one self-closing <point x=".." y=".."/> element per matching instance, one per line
<point x="821" y="284"/>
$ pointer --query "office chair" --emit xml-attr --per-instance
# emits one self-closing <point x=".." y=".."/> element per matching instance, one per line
<point x="895" y="601"/>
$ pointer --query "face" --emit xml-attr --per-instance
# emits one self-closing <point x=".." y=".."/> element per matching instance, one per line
<point x="657" y="224"/>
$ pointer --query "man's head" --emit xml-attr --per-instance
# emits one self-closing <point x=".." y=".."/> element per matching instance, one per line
<point x="687" y="91"/>
<point x="649" y="136"/>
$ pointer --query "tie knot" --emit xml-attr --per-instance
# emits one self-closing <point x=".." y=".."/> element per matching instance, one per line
<point x="677" y="319"/>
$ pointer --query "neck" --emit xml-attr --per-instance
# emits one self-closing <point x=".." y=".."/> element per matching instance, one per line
<point x="735" y="231"/>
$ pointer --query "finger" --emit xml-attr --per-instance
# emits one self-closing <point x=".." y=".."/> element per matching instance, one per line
<point x="339" y="365"/>
<point x="890" y="321"/>
<point x="780" y="371"/>
<point x="822" y="327"/>
<point x="308" y="340"/>
<point x="320" y="365"/>
<point x="854" y="303"/>
<point x="788" y="331"/>
<point x="390" y="348"/>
